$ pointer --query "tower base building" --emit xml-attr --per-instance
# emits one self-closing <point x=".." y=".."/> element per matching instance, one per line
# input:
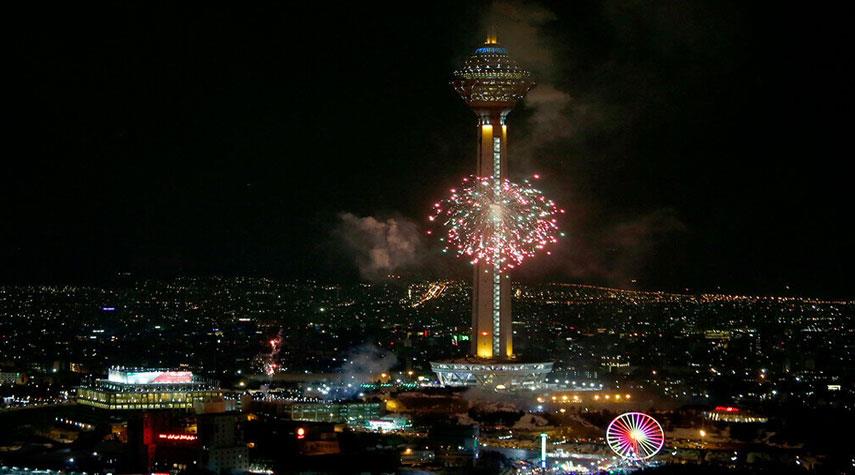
<point x="495" y="374"/>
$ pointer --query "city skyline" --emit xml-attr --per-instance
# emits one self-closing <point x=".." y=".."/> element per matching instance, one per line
<point x="186" y="150"/>
<point x="739" y="383"/>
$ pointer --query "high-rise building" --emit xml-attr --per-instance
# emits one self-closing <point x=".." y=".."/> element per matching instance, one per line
<point x="491" y="84"/>
<point x="224" y="448"/>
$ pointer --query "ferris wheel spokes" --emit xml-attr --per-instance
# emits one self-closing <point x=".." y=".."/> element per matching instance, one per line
<point x="635" y="436"/>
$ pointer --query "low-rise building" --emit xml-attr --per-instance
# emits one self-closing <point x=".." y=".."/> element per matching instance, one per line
<point x="146" y="389"/>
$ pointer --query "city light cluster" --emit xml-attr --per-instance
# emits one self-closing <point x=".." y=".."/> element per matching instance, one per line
<point x="497" y="221"/>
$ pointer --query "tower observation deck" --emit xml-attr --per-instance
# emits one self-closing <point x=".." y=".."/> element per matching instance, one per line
<point x="491" y="83"/>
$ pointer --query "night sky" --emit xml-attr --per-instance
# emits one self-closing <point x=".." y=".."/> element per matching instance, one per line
<point x="695" y="145"/>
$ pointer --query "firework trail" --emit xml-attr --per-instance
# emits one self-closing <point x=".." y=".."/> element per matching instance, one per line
<point x="434" y="291"/>
<point x="271" y="365"/>
<point x="497" y="221"/>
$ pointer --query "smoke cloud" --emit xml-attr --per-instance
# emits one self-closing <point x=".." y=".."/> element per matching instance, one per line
<point x="384" y="248"/>
<point x="366" y="362"/>
<point x="381" y="247"/>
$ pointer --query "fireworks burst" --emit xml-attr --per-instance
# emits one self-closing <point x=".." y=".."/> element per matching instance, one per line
<point x="497" y="221"/>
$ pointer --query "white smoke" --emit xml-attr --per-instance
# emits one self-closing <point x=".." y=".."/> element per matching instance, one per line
<point x="363" y="364"/>
<point x="381" y="246"/>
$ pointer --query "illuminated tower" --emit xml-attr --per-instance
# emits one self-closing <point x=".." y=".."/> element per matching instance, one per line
<point x="491" y="83"/>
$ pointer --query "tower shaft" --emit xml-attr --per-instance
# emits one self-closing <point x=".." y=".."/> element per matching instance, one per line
<point x="492" y="331"/>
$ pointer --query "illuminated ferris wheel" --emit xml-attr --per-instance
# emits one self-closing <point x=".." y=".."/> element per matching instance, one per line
<point x="635" y="436"/>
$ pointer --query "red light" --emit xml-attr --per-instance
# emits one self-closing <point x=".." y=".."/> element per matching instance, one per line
<point x="726" y="409"/>
<point x="301" y="433"/>
<point x="185" y="437"/>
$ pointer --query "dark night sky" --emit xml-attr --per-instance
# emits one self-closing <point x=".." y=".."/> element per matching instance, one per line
<point x="695" y="144"/>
